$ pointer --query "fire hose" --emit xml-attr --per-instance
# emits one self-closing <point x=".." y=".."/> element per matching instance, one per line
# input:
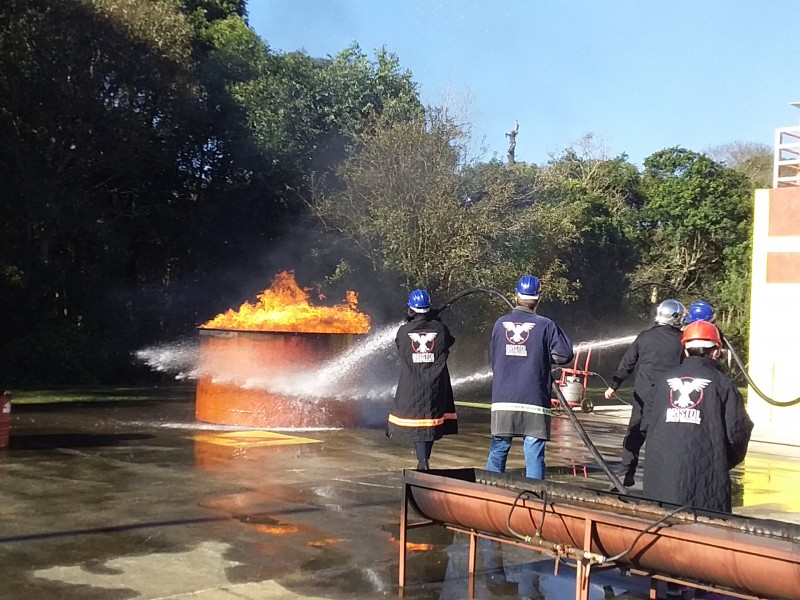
<point x="573" y="419"/>
<point x="750" y="382"/>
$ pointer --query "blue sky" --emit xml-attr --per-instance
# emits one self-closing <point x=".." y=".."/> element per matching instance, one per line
<point x="640" y="76"/>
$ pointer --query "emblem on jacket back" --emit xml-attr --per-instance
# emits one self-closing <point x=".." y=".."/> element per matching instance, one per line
<point x="517" y="334"/>
<point x="684" y="407"/>
<point x="422" y="344"/>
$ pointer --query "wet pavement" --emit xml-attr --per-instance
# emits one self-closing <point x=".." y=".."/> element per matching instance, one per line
<point x="125" y="500"/>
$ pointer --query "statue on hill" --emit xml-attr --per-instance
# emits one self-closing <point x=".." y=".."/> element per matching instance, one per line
<point x="512" y="142"/>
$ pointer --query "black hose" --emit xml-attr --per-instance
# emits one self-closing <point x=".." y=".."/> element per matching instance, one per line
<point x="750" y="382"/>
<point x="581" y="431"/>
<point x="585" y="437"/>
<point x="475" y="290"/>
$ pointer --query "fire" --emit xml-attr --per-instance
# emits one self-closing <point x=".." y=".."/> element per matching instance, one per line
<point x="412" y="547"/>
<point x="284" y="307"/>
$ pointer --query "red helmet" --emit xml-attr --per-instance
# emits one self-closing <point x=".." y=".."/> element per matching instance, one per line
<point x="701" y="334"/>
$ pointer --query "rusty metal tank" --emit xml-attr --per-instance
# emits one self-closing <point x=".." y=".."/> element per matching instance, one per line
<point x="244" y="375"/>
<point x="752" y="556"/>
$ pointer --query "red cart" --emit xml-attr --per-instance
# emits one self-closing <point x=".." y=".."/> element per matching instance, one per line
<point x="574" y="381"/>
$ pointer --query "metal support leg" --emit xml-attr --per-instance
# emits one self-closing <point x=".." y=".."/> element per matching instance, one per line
<point x="583" y="573"/>
<point x="403" y="534"/>
<point x="472" y="560"/>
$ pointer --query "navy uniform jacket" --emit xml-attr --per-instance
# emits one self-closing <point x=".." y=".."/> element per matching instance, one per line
<point x="424" y="409"/>
<point x="697" y="429"/>
<point x="521" y="349"/>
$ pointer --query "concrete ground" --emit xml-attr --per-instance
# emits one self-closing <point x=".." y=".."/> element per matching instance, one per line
<point x="116" y="501"/>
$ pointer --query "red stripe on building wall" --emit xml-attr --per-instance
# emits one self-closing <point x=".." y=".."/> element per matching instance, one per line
<point x="784" y="211"/>
<point x="783" y="267"/>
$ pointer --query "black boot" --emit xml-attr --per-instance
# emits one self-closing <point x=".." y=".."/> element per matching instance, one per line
<point x="627" y="475"/>
<point x="422" y="465"/>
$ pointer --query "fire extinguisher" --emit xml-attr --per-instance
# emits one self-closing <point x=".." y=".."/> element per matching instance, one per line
<point x="5" y="419"/>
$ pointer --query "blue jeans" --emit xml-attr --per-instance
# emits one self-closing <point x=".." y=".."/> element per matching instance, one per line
<point x="532" y="448"/>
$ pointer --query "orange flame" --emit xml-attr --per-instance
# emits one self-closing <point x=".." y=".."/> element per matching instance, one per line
<point x="412" y="547"/>
<point x="284" y="307"/>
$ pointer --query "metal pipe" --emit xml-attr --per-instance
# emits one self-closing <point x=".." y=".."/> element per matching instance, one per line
<point x="758" y="557"/>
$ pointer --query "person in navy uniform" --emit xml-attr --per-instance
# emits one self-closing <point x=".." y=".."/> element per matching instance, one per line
<point x="654" y="351"/>
<point x="697" y="428"/>
<point x="424" y="408"/>
<point x="523" y="348"/>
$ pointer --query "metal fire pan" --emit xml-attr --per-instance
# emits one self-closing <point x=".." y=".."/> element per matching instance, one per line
<point x="238" y="366"/>
<point x="759" y="557"/>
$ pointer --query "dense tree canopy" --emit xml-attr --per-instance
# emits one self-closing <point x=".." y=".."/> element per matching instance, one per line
<point x="152" y="150"/>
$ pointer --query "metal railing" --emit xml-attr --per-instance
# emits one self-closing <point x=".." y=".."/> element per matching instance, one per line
<point x="786" y="165"/>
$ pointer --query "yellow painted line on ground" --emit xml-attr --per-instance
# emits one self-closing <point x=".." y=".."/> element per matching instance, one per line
<point x="474" y="405"/>
<point x="253" y="439"/>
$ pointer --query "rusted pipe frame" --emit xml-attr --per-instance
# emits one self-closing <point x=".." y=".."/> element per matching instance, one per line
<point x="472" y="561"/>
<point x="460" y="498"/>
<point x="401" y="565"/>
<point x="581" y="578"/>
<point x="583" y="570"/>
<point x="693" y="584"/>
<point x="403" y="534"/>
<point x="546" y="547"/>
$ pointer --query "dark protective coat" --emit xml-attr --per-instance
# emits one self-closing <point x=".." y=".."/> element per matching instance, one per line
<point x="697" y="429"/>
<point x="522" y="347"/>
<point x="424" y="409"/>
<point x="654" y="351"/>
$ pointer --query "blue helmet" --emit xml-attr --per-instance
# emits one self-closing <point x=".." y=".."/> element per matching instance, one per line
<point x="530" y="286"/>
<point x="419" y="301"/>
<point x="700" y="311"/>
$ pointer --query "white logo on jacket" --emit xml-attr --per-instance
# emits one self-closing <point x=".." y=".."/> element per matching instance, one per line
<point x="517" y="334"/>
<point x="519" y="331"/>
<point x="684" y="408"/>
<point x="419" y="346"/>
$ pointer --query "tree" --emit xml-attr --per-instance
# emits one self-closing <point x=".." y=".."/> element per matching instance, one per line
<point x="749" y="158"/>
<point x="697" y="223"/>
<point x="604" y="195"/>
<point x="93" y="101"/>
<point x="411" y="206"/>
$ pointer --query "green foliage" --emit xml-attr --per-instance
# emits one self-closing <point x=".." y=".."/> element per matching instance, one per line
<point x="604" y="196"/>
<point x="299" y="108"/>
<point x="152" y="146"/>
<point x="696" y="209"/>
<point x="698" y="224"/>
<point x="403" y="203"/>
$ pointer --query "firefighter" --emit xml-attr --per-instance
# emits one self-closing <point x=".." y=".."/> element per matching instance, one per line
<point x="703" y="311"/>
<point x="424" y="409"/>
<point x="700" y="311"/>
<point x="697" y="427"/>
<point x="654" y="351"/>
<point x="523" y="348"/>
